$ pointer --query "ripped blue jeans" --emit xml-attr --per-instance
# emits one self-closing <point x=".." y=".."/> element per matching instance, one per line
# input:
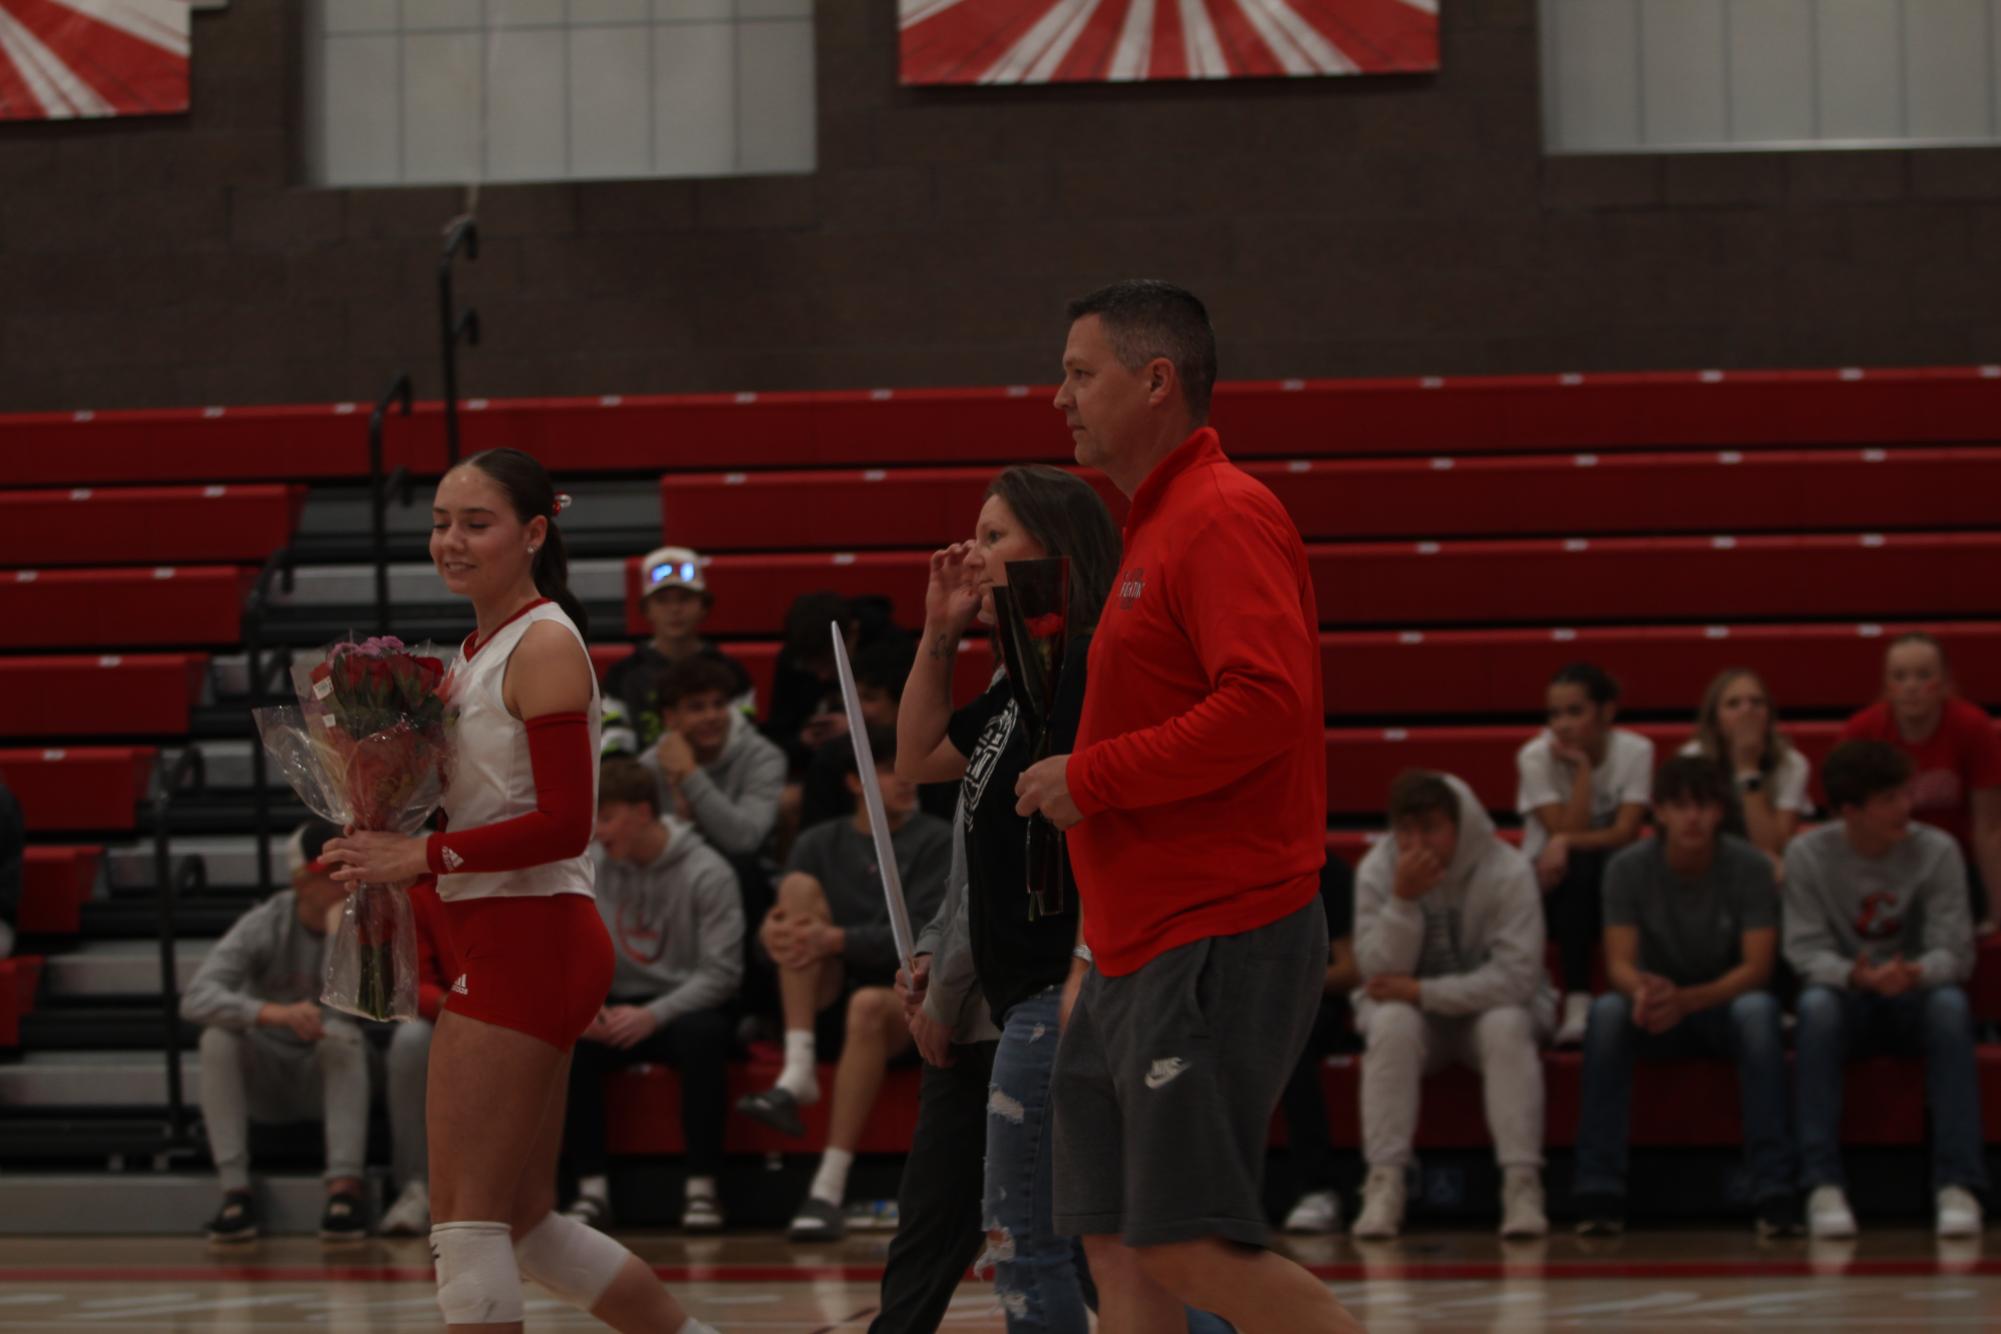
<point x="1035" y="1271"/>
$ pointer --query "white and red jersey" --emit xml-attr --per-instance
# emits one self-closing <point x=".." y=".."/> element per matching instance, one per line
<point x="491" y="778"/>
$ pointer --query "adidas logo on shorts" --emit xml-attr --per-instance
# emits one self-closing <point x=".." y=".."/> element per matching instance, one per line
<point x="452" y="860"/>
<point x="459" y="987"/>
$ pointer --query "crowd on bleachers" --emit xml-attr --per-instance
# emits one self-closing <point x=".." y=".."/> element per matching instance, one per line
<point x="1689" y="907"/>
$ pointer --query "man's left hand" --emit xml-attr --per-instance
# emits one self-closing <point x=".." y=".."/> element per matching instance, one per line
<point x="627" y="1025"/>
<point x="1045" y="786"/>
<point x="1394" y="987"/>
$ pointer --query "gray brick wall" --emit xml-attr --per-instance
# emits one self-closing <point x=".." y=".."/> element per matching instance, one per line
<point x="1406" y="226"/>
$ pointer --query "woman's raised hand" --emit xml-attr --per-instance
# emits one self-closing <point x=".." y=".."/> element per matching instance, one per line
<point x="952" y="597"/>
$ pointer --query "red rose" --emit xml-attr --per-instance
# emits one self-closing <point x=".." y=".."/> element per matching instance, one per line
<point x="1046" y="626"/>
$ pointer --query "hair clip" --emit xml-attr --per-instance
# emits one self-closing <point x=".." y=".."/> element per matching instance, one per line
<point x="563" y="502"/>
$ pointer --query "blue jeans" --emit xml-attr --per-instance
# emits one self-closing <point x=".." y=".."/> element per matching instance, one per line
<point x="1039" y="1277"/>
<point x="1747" y="1031"/>
<point x="1838" y="1025"/>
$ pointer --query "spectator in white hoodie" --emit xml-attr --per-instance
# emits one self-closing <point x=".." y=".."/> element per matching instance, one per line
<point x="676" y="924"/>
<point x="1449" y="941"/>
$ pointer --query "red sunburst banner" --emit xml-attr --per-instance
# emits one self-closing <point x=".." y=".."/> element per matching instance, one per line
<point x="1080" y="41"/>
<point x="61" y="59"/>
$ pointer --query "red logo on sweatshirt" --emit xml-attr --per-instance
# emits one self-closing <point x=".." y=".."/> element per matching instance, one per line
<point x="1131" y="585"/>
<point x="1877" y="918"/>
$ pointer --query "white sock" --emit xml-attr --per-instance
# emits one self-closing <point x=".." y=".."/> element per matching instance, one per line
<point x="701" y="1186"/>
<point x="596" y="1188"/>
<point x="800" y="1078"/>
<point x="830" y="1183"/>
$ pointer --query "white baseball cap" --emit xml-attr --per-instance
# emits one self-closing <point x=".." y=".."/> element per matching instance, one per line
<point x="671" y="567"/>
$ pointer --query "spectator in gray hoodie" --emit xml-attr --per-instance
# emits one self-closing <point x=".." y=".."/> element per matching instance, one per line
<point x="1878" y="928"/>
<point x="271" y="1053"/>
<point x="719" y="772"/>
<point x="1449" y="941"/>
<point x="676" y="923"/>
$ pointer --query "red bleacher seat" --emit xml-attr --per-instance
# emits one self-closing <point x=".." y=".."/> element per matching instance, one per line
<point x="1415" y="584"/>
<point x="124" y="608"/>
<point x="20" y="976"/>
<point x="1715" y="491"/>
<point x="79" y="787"/>
<point x="1658" y="667"/>
<point x="146" y="525"/>
<point x="100" y="694"/>
<point x="1363" y="761"/>
<point x="1689" y="1104"/>
<point x="56" y="881"/>
<point x="1259" y="419"/>
<point x="973" y="670"/>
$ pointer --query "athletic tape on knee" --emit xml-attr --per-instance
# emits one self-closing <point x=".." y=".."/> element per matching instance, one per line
<point x="478" y="1282"/>
<point x="574" y="1261"/>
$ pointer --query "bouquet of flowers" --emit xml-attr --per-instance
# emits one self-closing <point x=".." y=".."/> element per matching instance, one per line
<point x="367" y="748"/>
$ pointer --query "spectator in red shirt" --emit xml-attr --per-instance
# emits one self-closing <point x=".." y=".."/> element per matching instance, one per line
<point x="1197" y="791"/>
<point x="1955" y="757"/>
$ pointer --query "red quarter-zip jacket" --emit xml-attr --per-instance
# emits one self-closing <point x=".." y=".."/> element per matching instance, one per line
<point x="1200" y="763"/>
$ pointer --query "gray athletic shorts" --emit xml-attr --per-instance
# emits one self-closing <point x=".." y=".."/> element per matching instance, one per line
<point x="1167" y="1079"/>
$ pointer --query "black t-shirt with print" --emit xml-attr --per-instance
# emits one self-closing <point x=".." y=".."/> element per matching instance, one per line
<point x="1016" y="958"/>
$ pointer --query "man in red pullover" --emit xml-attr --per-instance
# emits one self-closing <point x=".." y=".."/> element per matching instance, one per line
<point x="1196" y="801"/>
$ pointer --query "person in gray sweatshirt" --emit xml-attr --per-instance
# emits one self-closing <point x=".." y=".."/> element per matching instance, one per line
<point x="671" y="905"/>
<point x="1878" y="929"/>
<point x="718" y="771"/>
<point x="1449" y="942"/>
<point x="271" y="1053"/>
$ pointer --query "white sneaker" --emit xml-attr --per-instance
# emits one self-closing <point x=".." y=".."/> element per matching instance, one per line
<point x="410" y="1216"/>
<point x="1828" y="1215"/>
<point x="1318" y="1212"/>
<point x="1382" y="1205"/>
<point x="1522" y="1215"/>
<point x="1576" y="1017"/>
<point x="1958" y="1213"/>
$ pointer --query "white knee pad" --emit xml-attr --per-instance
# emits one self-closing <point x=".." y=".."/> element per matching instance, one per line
<point x="574" y="1261"/>
<point x="478" y="1282"/>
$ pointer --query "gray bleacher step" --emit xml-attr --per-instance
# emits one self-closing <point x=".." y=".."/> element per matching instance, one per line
<point x="195" y="917"/>
<point x="95" y="1079"/>
<point x="177" y="1203"/>
<point x="227" y="765"/>
<point x="77" y="1028"/>
<point x="230" y="860"/>
<point x="117" y="968"/>
<point x="409" y="582"/>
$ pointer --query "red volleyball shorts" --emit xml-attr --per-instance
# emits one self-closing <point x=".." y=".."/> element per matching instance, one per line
<point x="540" y="966"/>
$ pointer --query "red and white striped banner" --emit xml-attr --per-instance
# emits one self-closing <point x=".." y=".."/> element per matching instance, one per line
<point x="1082" y="41"/>
<point x="61" y="59"/>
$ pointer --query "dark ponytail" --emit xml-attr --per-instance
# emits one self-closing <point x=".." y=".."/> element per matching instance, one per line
<point x="533" y="495"/>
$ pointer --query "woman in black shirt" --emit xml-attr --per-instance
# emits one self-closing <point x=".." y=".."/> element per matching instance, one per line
<point x="1023" y="964"/>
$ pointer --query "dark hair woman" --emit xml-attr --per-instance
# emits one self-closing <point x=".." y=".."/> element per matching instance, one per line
<point x="516" y="880"/>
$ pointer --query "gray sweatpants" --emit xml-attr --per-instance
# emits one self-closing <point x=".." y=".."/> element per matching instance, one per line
<point x="1405" y="1044"/>
<point x="409" y="1065"/>
<point x="259" y="1076"/>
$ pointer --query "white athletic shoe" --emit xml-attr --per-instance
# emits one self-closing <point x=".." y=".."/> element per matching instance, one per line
<point x="1522" y="1215"/>
<point x="1382" y="1205"/>
<point x="1828" y="1215"/>
<point x="1318" y="1212"/>
<point x="410" y="1216"/>
<point x="1576" y="1018"/>
<point x="1958" y="1213"/>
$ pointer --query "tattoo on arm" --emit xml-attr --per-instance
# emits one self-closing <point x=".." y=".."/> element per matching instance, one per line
<point x="941" y="648"/>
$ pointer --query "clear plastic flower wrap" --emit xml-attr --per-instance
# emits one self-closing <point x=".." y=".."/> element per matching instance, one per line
<point x="368" y="747"/>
